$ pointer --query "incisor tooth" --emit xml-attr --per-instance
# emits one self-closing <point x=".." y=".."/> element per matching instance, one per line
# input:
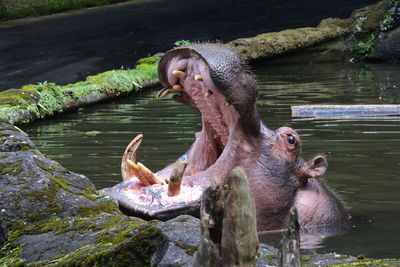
<point x="208" y="93"/>
<point x="136" y="171"/>
<point x="227" y="104"/>
<point x="198" y="77"/>
<point x="177" y="87"/>
<point x="145" y="176"/>
<point x="179" y="74"/>
<point x="174" y="186"/>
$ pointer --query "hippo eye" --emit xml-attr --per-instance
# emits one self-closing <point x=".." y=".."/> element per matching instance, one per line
<point x="291" y="139"/>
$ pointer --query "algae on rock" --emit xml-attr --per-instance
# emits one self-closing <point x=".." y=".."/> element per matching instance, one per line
<point x="32" y="102"/>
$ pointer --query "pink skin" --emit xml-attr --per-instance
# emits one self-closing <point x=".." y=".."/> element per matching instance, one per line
<point x="279" y="178"/>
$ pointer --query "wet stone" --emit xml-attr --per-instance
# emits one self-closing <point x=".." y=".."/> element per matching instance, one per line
<point x="182" y="238"/>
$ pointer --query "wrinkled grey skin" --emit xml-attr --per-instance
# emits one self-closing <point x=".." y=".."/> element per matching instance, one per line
<point x="279" y="178"/>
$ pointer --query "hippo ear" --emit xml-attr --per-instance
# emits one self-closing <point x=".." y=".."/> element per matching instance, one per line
<point x="313" y="168"/>
<point x="316" y="167"/>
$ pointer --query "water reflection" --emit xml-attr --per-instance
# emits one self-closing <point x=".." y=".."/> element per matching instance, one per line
<point x="363" y="154"/>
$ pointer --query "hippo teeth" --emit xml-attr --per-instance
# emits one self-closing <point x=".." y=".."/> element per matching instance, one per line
<point x="145" y="175"/>
<point x="179" y="74"/>
<point x="208" y="94"/>
<point x="175" y="180"/>
<point x="130" y="168"/>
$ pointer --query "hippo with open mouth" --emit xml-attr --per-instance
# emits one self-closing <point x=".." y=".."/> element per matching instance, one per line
<point x="212" y="79"/>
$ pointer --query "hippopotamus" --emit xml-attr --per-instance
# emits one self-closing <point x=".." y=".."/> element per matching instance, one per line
<point x="212" y="79"/>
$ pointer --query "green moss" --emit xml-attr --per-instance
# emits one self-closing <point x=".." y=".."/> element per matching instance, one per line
<point x="182" y="43"/>
<point x="44" y="196"/>
<point x="15" y="97"/>
<point x="46" y="168"/>
<point x="25" y="147"/>
<point x="122" y="242"/>
<point x="4" y="134"/>
<point x="15" y="9"/>
<point x="15" y="168"/>
<point x="182" y="219"/>
<point x="148" y="61"/>
<point x="46" y="99"/>
<point x="365" y="46"/>
<point x="63" y="183"/>
<point x="12" y="257"/>
<point x="190" y="250"/>
<point x="104" y="206"/>
<point x="3" y="156"/>
<point x="270" y="256"/>
<point x="369" y="262"/>
<point x="5" y="171"/>
<point x="306" y="259"/>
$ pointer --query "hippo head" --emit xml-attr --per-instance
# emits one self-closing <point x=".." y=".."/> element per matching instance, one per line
<point x="212" y="79"/>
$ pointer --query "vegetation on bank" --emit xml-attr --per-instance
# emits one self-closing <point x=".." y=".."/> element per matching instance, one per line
<point x="16" y="9"/>
<point x="31" y="102"/>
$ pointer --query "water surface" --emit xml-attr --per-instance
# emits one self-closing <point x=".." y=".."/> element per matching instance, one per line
<point x="363" y="153"/>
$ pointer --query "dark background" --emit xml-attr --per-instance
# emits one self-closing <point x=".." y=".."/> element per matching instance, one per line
<point x="67" y="48"/>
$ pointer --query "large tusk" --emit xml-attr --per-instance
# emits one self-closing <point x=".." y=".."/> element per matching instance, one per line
<point x="149" y="175"/>
<point x="130" y="154"/>
<point x="174" y="186"/>
<point x="179" y="74"/>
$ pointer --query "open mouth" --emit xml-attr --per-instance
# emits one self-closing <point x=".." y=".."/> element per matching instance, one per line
<point x="177" y="189"/>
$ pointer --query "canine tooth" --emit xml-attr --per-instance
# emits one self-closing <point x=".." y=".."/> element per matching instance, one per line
<point x="148" y="175"/>
<point x="130" y="154"/>
<point x="163" y="92"/>
<point x="179" y="74"/>
<point x="215" y="136"/>
<point x="198" y="77"/>
<point x="208" y="93"/>
<point x="174" y="186"/>
<point x="177" y="87"/>
<point x="227" y="104"/>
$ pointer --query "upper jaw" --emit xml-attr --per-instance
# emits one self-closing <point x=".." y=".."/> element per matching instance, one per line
<point x="221" y="70"/>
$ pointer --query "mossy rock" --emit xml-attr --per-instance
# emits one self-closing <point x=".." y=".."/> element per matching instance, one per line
<point x="31" y="102"/>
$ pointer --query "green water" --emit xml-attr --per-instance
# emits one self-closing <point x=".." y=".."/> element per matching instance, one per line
<point x="363" y="154"/>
